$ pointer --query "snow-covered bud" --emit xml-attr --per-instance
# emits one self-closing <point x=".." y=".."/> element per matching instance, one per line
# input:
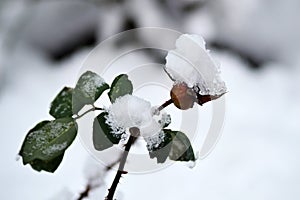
<point x="192" y="64"/>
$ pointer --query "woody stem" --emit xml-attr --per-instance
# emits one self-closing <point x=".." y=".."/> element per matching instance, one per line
<point x="164" y="105"/>
<point x="134" y="133"/>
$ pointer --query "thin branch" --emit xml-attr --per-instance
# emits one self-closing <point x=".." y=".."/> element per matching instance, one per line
<point x="85" y="193"/>
<point x="135" y="132"/>
<point x="89" y="110"/>
<point x="89" y="188"/>
<point x="164" y="105"/>
<point x="109" y="167"/>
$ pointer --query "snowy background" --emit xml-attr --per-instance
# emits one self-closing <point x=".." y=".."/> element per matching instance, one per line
<point x="42" y="47"/>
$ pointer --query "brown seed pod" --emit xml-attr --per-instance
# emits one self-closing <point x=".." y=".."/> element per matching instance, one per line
<point x="182" y="96"/>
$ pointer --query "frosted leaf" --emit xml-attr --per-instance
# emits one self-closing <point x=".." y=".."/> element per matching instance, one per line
<point x="48" y="139"/>
<point x="120" y="87"/>
<point x="192" y="64"/>
<point x="61" y="106"/>
<point x="88" y="89"/>
<point x="90" y="83"/>
<point x="55" y="148"/>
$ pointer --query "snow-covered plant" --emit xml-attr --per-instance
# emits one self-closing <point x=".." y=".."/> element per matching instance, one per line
<point x="196" y="79"/>
<point x="195" y="73"/>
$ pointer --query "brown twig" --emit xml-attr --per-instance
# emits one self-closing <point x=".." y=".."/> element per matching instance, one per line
<point x="85" y="193"/>
<point x="167" y="103"/>
<point x="133" y="136"/>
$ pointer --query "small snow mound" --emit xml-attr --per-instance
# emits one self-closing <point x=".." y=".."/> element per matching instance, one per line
<point x="18" y="157"/>
<point x="131" y="111"/>
<point x="191" y="164"/>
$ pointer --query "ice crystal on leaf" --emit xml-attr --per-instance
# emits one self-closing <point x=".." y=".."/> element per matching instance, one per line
<point x="89" y="81"/>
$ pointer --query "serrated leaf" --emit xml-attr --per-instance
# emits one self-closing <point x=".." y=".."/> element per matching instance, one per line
<point x="174" y="145"/>
<point x="181" y="149"/>
<point x="103" y="137"/>
<point x="46" y="142"/>
<point x="120" y="87"/>
<point x="88" y="89"/>
<point x="61" y="106"/>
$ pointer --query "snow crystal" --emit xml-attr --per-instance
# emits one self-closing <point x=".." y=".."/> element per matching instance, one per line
<point x="192" y="63"/>
<point x="154" y="141"/>
<point x="165" y="119"/>
<point x="61" y="108"/>
<point x="151" y="129"/>
<point x="54" y="148"/>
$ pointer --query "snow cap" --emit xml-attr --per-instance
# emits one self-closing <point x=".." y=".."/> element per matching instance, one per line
<point x="192" y="64"/>
<point x="131" y="111"/>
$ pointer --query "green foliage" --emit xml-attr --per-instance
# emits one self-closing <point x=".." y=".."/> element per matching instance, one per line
<point x="45" y="144"/>
<point x="48" y="165"/>
<point x="103" y="137"/>
<point x="175" y="145"/>
<point x="181" y="149"/>
<point x="88" y="89"/>
<point x="61" y="106"/>
<point x="120" y="87"/>
<point x="162" y="151"/>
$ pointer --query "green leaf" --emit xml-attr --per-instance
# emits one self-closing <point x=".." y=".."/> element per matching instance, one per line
<point x="181" y="149"/>
<point x="162" y="150"/>
<point x="175" y="145"/>
<point x="46" y="143"/>
<point x="48" y="165"/>
<point x="61" y="106"/>
<point x="88" y="89"/>
<point x="103" y="137"/>
<point x="120" y="87"/>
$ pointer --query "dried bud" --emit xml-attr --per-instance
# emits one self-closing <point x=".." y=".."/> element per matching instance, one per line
<point x="202" y="99"/>
<point x="182" y="96"/>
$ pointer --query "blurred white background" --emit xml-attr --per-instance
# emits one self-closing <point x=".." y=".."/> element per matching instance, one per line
<point x="42" y="47"/>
